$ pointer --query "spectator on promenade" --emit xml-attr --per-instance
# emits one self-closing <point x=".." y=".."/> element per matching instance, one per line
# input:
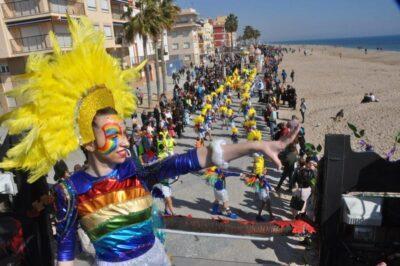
<point x="302" y="181"/>
<point x="289" y="158"/>
<point x="139" y="95"/>
<point x="303" y="109"/>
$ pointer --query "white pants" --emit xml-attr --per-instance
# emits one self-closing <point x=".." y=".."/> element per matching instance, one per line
<point x="156" y="256"/>
<point x="221" y="195"/>
<point x="304" y="194"/>
<point x="166" y="190"/>
<point x="263" y="194"/>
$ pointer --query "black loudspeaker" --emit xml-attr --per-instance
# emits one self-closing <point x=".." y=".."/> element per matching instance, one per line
<point x="391" y="212"/>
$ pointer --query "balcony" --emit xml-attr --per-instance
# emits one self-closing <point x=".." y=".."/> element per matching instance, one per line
<point x="39" y="43"/>
<point x="29" y="8"/>
<point x="117" y="12"/>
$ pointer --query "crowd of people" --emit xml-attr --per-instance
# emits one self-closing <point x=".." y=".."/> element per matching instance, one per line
<point x="205" y="99"/>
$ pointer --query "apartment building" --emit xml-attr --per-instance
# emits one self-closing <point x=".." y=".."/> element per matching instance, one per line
<point x="206" y="38"/>
<point x="25" y="27"/>
<point x="183" y="40"/>
<point x="222" y="38"/>
<point x="219" y="32"/>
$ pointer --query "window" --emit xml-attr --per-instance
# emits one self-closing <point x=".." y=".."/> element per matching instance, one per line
<point x="186" y="45"/>
<point x="96" y="26"/>
<point x="104" y="5"/>
<point x="4" y="68"/>
<point x="187" y="58"/>
<point x="107" y="31"/>
<point x="175" y="46"/>
<point x="91" y="4"/>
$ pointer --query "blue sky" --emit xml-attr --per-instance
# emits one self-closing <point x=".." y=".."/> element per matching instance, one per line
<point x="280" y="20"/>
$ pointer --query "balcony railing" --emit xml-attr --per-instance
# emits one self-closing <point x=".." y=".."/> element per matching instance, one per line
<point x="39" y="43"/>
<point x="27" y="8"/>
<point x="117" y="12"/>
<point x="21" y="8"/>
<point x="67" y="7"/>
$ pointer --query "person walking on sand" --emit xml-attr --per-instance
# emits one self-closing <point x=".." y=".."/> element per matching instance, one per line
<point x="292" y="75"/>
<point x="303" y="108"/>
<point x="284" y="75"/>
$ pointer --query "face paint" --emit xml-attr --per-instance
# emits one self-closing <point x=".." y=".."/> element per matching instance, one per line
<point x="112" y="133"/>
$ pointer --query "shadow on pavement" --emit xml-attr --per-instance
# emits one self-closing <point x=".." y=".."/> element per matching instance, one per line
<point x="284" y="250"/>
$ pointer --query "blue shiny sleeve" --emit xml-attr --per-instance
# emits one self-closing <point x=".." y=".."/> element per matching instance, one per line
<point x="66" y="222"/>
<point x="170" y="167"/>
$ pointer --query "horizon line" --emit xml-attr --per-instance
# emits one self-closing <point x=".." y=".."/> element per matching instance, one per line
<point x="334" y="38"/>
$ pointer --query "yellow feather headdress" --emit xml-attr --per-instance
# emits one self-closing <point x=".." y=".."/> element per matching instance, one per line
<point x="61" y="95"/>
<point x="258" y="165"/>
<point x="254" y="135"/>
<point x="198" y="120"/>
<point x="252" y="112"/>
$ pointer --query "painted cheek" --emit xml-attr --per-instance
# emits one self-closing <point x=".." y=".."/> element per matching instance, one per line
<point x="110" y="146"/>
<point x="112" y="134"/>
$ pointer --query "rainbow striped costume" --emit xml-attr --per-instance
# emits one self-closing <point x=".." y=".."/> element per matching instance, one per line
<point x="114" y="210"/>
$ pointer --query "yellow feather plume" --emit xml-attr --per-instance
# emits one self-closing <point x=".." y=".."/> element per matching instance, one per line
<point x="251" y="112"/>
<point x="223" y="109"/>
<point x="234" y="130"/>
<point x="220" y="89"/>
<point x="55" y="85"/>
<point x="258" y="166"/>
<point x="198" y="120"/>
<point x="254" y="135"/>
<point x="249" y="123"/>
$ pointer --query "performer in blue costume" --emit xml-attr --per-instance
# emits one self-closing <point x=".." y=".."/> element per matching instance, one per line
<point x="79" y="99"/>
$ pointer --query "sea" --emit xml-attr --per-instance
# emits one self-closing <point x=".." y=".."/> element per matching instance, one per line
<point x="386" y="43"/>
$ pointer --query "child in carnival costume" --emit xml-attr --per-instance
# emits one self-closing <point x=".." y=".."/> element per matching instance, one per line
<point x="215" y="177"/>
<point x="234" y="135"/>
<point x="262" y="187"/>
<point x="222" y="114"/>
<point x="249" y="125"/>
<point x="186" y="117"/>
<point x="163" y="188"/>
<point x="231" y="117"/>
<point x="251" y="113"/>
<point x="79" y="99"/>
<point x="199" y="127"/>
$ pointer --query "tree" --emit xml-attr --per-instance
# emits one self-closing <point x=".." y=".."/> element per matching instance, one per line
<point x="147" y="24"/>
<point x="169" y="11"/>
<point x="231" y="26"/>
<point x="248" y="33"/>
<point x="256" y="35"/>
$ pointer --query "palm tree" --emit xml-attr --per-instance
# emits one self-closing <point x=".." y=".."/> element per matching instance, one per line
<point x="146" y="24"/>
<point x="256" y="35"/>
<point x="231" y="26"/>
<point x="169" y="11"/>
<point x="248" y="33"/>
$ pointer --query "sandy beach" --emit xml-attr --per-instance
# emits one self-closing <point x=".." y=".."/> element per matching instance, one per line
<point x="329" y="83"/>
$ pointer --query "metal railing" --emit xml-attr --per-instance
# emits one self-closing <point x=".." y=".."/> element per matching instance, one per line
<point x="67" y="7"/>
<point x="27" y="8"/>
<point x="117" y="12"/>
<point x="21" y="8"/>
<point x="39" y="43"/>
